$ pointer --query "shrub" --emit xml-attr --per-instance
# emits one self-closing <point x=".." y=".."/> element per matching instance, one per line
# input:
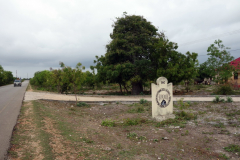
<point x="143" y="101"/>
<point x="182" y="105"/>
<point x="218" y="99"/>
<point x="229" y="99"/>
<point x="185" y="116"/>
<point x="225" y="89"/>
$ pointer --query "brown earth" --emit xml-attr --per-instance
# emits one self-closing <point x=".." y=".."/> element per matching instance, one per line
<point x="86" y="132"/>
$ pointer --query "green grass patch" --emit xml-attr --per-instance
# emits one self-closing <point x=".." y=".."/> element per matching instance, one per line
<point x="108" y="123"/>
<point x="233" y="113"/>
<point x="179" y="120"/>
<point x="232" y="148"/>
<point x="82" y="104"/>
<point x="133" y="122"/>
<point x="143" y="101"/>
<point x="44" y="137"/>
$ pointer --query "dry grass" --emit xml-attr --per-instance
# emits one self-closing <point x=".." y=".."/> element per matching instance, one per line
<point x="88" y="132"/>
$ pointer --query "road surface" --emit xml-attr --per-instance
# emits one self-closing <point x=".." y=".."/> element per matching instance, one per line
<point x="10" y="103"/>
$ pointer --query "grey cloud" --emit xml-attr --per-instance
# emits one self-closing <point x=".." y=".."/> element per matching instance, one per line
<point x="36" y="35"/>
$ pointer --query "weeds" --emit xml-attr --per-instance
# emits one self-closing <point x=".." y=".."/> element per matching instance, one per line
<point x="182" y="105"/>
<point x="233" y="113"/>
<point x="132" y="122"/>
<point x="82" y="104"/>
<point x="232" y="148"/>
<point x="179" y="120"/>
<point x="108" y="123"/>
<point x="185" y="134"/>
<point x="143" y="101"/>
<point x="138" y="109"/>
<point x="229" y="100"/>
<point x="219" y="125"/>
<point x="131" y="135"/>
<point x="218" y="99"/>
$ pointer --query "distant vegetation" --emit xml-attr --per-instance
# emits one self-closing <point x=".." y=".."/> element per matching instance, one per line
<point x="6" y="77"/>
<point x="135" y="57"/>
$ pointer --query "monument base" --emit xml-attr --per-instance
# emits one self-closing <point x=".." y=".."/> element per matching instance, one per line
<point x="160" y="118"/>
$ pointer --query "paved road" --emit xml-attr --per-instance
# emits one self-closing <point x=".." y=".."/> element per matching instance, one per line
<point x="10" y="103"/>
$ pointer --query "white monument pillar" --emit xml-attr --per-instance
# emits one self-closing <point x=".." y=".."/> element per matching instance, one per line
<point x="162" y="100"/>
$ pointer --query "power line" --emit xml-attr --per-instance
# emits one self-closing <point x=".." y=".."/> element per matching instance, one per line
<point x="215" y="36"/>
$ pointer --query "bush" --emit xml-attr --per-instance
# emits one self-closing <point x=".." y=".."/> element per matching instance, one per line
<point x="225" y="89"/>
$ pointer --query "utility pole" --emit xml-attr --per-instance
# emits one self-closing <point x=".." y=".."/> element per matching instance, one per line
<point x="16" y="73"/>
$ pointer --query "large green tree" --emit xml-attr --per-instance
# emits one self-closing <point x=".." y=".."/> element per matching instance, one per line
<point x="138" y="53"/>
<point x="172" y="64"/>
<point x="128" y="53"/>
<point x="218" y="62"/>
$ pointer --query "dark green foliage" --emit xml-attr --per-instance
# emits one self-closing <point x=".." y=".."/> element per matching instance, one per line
<point x="89" y="79"/>
<point x="204" y="71"/>
<point x="82" y="104"/>
<point x="143" y="101"/>
<point x="128" y="54"/>
<point x="185" y="116"/>
<point x="6" y="77"/>
<point x="225" y="89"/>
<point x="137" y="54"/>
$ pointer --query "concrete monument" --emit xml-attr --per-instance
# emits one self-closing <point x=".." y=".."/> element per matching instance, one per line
<point x="162" y="99"/>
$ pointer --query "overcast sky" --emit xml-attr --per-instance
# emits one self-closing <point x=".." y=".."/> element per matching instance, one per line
<point x="36" y="34"/>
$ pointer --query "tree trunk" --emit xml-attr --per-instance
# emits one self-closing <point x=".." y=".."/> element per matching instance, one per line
<point x="137" y="88"/>
<point x="125" y="88"/>
<point x="120" y="88"/>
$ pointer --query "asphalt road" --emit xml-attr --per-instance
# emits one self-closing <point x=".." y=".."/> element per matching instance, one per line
<point x="10" y="103"/>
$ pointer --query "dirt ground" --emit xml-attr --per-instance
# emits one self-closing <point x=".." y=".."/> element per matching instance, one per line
<point x="61" y="130"/>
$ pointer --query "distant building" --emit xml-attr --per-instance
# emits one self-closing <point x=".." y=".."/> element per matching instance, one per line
<point x="235" y="79"/>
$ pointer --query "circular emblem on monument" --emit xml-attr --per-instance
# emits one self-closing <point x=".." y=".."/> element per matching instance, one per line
<point x="163" y="97"/>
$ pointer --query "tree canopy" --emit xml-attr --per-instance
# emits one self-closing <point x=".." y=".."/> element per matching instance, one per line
<point x="217" y="64"/>
<point x="138" y="53"/>
<point x="6" y="77"/>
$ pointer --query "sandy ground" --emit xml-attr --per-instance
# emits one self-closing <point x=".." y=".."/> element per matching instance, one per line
<point x="29" y="95"/>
